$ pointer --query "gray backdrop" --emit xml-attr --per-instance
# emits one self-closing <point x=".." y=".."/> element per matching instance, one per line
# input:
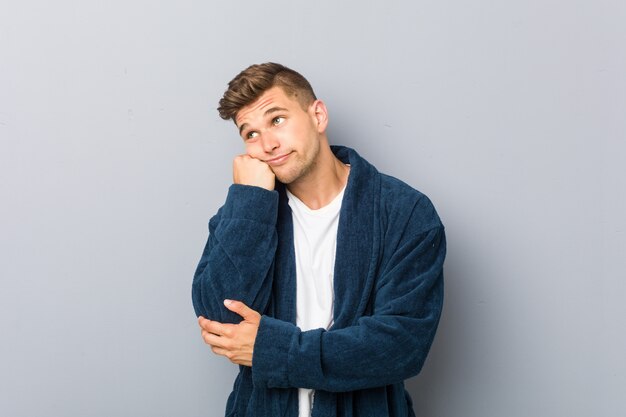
<point x="509" y="115"/>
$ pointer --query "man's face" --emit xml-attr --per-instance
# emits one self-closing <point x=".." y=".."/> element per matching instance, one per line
<point x="278" y="131"/>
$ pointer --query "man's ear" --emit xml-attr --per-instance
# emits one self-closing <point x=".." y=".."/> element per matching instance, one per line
<point x="320" y="113"/>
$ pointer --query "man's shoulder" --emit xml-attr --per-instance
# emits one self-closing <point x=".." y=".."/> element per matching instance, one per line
<point x="394" y="190"/>
<point x="395" y="187"/>
<point x="398" y="201"/>
<point x="402" y="201"/>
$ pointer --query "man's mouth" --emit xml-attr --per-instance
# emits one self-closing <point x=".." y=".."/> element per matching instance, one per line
<point x="278" y="160"/>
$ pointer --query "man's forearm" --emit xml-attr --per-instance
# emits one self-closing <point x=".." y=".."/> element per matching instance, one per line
<point x="238" y="258"/>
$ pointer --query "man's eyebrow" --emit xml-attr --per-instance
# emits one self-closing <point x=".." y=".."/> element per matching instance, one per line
<point x="274" y="110"/>
<point x="268" y="111"/>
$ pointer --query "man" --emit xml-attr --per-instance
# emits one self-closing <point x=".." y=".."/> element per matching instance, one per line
<point x="321" y="277"/>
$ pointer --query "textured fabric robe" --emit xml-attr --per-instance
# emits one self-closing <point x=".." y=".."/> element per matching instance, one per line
<point x="388" y="283"/>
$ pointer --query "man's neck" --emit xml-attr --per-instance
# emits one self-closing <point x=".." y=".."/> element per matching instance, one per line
<point x="324" y="183"/>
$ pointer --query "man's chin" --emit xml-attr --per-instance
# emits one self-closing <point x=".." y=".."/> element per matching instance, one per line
<point x="285" y="179"/>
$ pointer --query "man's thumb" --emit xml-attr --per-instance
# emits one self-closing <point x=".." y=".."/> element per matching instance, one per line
<point x="238" y="307"/>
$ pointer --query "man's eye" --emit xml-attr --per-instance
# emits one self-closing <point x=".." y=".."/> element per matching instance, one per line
<point x="252" y="135"/>
<point x="278" y="120"/>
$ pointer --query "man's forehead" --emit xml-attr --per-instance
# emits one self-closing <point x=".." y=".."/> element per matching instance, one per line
<point x="274" y="95"/>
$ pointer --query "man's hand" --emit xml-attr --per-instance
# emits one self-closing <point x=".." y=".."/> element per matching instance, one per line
<point x="250" y="171"/>
<point x="234" y="341"/>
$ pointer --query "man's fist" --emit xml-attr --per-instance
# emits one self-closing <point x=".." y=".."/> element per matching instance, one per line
<point x="250" y="171"/>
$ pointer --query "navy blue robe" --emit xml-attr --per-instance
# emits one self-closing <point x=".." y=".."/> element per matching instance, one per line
<point x="388" y="284"/>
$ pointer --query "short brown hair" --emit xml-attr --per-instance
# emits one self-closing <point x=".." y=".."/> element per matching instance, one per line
<point x="252" y="82"/>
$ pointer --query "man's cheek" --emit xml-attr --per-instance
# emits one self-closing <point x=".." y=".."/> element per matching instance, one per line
<point x="250" y="151"/>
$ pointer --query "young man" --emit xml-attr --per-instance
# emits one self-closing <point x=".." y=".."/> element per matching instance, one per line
<point x="322" y="278"/>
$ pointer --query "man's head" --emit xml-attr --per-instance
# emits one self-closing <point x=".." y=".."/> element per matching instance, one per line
<point x="280" y="120"/>
<point x="252" y="82"/>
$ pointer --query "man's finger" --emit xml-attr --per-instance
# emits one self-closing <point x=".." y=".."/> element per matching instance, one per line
<point x="203" y="323"/>
<point x="214" y="340"/>
<point x="219" y="351"/>
<point x="211" y="326"/>
<point x="240" y="308"/>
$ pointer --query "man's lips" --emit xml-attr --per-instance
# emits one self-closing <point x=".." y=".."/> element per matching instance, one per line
<point x="278" y="160"/>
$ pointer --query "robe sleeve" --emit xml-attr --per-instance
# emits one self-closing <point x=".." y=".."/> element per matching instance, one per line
<point x="238" y="258"/>
<point x="386" y="347"/>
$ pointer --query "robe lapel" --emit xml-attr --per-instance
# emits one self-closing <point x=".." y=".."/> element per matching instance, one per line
<point x="358" y="239"/>
<point x="284" y="285"/>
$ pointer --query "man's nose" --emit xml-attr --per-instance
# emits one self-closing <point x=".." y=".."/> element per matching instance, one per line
<point x="269" y="141"/>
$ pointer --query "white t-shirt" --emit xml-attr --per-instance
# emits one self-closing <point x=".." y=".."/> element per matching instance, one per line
<point x="315" y="242"/>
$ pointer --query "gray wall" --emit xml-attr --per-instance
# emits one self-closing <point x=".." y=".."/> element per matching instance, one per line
<point x="509" y="115"/>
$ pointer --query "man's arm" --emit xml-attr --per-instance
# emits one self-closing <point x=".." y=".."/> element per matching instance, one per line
<point x="239" y="254"/>
<point x="387" y="347"/>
